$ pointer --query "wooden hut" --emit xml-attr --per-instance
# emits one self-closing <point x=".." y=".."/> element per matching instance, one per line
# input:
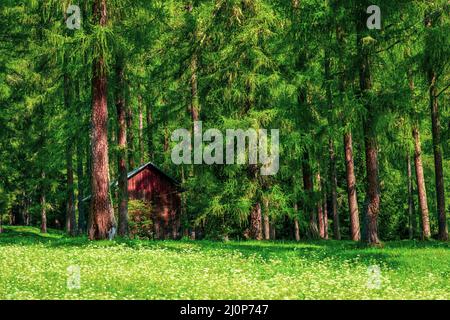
<point x="149" y="183"/>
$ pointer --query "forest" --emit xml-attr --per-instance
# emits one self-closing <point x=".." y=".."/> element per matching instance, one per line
<point x="91" y="90"/>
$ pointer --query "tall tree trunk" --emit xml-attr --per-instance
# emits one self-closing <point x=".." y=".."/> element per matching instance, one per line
<point x="331" y="151"/>
<point x="102" y="214"/>
<point x="80" y="169"/>
<point x="420" y="180"/>
<point x="313" y="231"/>
<point x="351" y="188"/>
<point x="122" y="146"/>
<point x="71" y="227"/>
<point x="70" y="199"/>
<point x="80" y="176"/>
<point x="149" y="121"/>
<point x="194" y="108"/>
<point x="255" y="222"/>
<point x="320" y="207"/>
<point x="355" y="232"/>
<point x="273" y="230"/>
<point x="370" y="137"/>
<point x="130" y="137"/>
<point x="43" y="205"/>
<point x="325" y="216"/>
<point x="296" y="226"/>
<point x="437" y="151"/>
<point x="421" y="189"/>
<point x="410" y="198"/>
<point x="436" y="132"/>
<point x="266" y="220"/>
<point x="141" y="131"/>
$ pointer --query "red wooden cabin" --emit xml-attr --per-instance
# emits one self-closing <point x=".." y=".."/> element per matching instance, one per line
<point x="151" y="184"/>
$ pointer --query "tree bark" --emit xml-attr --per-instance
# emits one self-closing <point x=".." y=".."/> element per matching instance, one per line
<point x="351" y="188"/>
<point x="313" y="231"/>
<point x="255" y="222"/>
<point x="436" y="133"/>
<point x="80" y="176"/>
<point x="149" y="121"/>
<point x="266" y="220"/>
<point x="102" y="214"/>
<point x="370" y="138"/>
<point x="420" y="180"/>
<point x="43" y="205"/>
<point x="130" y="137"/>
<point x="331" y="151"/>
<point x="273" y="230"/>
<point x="296" y="226"/>
<point x="410" y="198"/>
<point x="70" y="199"/>
<point x="355" y="232"/>
<point x="437" y="151"/>
<point x="320" y="207"/>
<point x="325" y="216"/>
<point x="80" y="171"/>
<point x="70" y="210"/>
<point x="122" y="146"/>
<point x="141" y="131"/>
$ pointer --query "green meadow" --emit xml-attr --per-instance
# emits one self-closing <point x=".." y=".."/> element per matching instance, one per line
<point x="36" y="266"/>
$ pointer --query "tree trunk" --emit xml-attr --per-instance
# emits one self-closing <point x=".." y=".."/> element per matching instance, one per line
<point x="141" y="131"/>
<point x="102" y="214"/>
<point x="273" y="235"/>
<point x="437" y="151"/>
<point x="70" y="210"/>
<point x="421" y="189"/>
<point x="331" y="151"/>
<point x="420" y="180"/>
<point x="436" y="132"/>
<point x="255" y="222"/>
<point x="80" y="176"/>
<point x="320" y="207"/>
<point x="130" y="136"/>
<point x="351" y="188"/>
<point x="370" y="138"/>
<point x="80" y="171"/>
<point x="194" y="110"/>
<point x="266" y="220"/>
<point x="313" y="231"/>
<point x="149" y="132"/>
<point x="296" y="226"/>
<point x="70" y="200"/>
<point x="43" y="205"/>
<point x="325" y="216"/>
<point x="410" y="198"/>
<point x="122" y="147"/>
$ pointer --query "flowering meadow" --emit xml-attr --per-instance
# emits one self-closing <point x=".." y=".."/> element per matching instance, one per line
<point x="35" y="266"/>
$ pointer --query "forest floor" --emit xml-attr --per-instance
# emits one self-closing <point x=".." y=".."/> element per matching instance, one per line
<point x="36" y="266"/>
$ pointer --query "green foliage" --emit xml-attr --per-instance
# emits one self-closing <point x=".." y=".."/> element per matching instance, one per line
<point x="140" y="222"/>
<point x="259" y="64"/>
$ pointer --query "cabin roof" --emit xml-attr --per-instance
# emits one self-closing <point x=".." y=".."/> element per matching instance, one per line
<point x="131" y="174"/>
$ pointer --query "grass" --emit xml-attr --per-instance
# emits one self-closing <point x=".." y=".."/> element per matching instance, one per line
<point x="35" y="266"/>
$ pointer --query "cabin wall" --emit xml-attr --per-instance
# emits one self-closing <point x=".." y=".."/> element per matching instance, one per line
<point x="151" y="186"/>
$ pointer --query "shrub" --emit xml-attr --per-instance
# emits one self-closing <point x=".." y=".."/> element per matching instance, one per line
<point x="140" y="219"/>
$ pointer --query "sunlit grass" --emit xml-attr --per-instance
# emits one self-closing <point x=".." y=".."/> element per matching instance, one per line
<point x="34" y="266"/>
